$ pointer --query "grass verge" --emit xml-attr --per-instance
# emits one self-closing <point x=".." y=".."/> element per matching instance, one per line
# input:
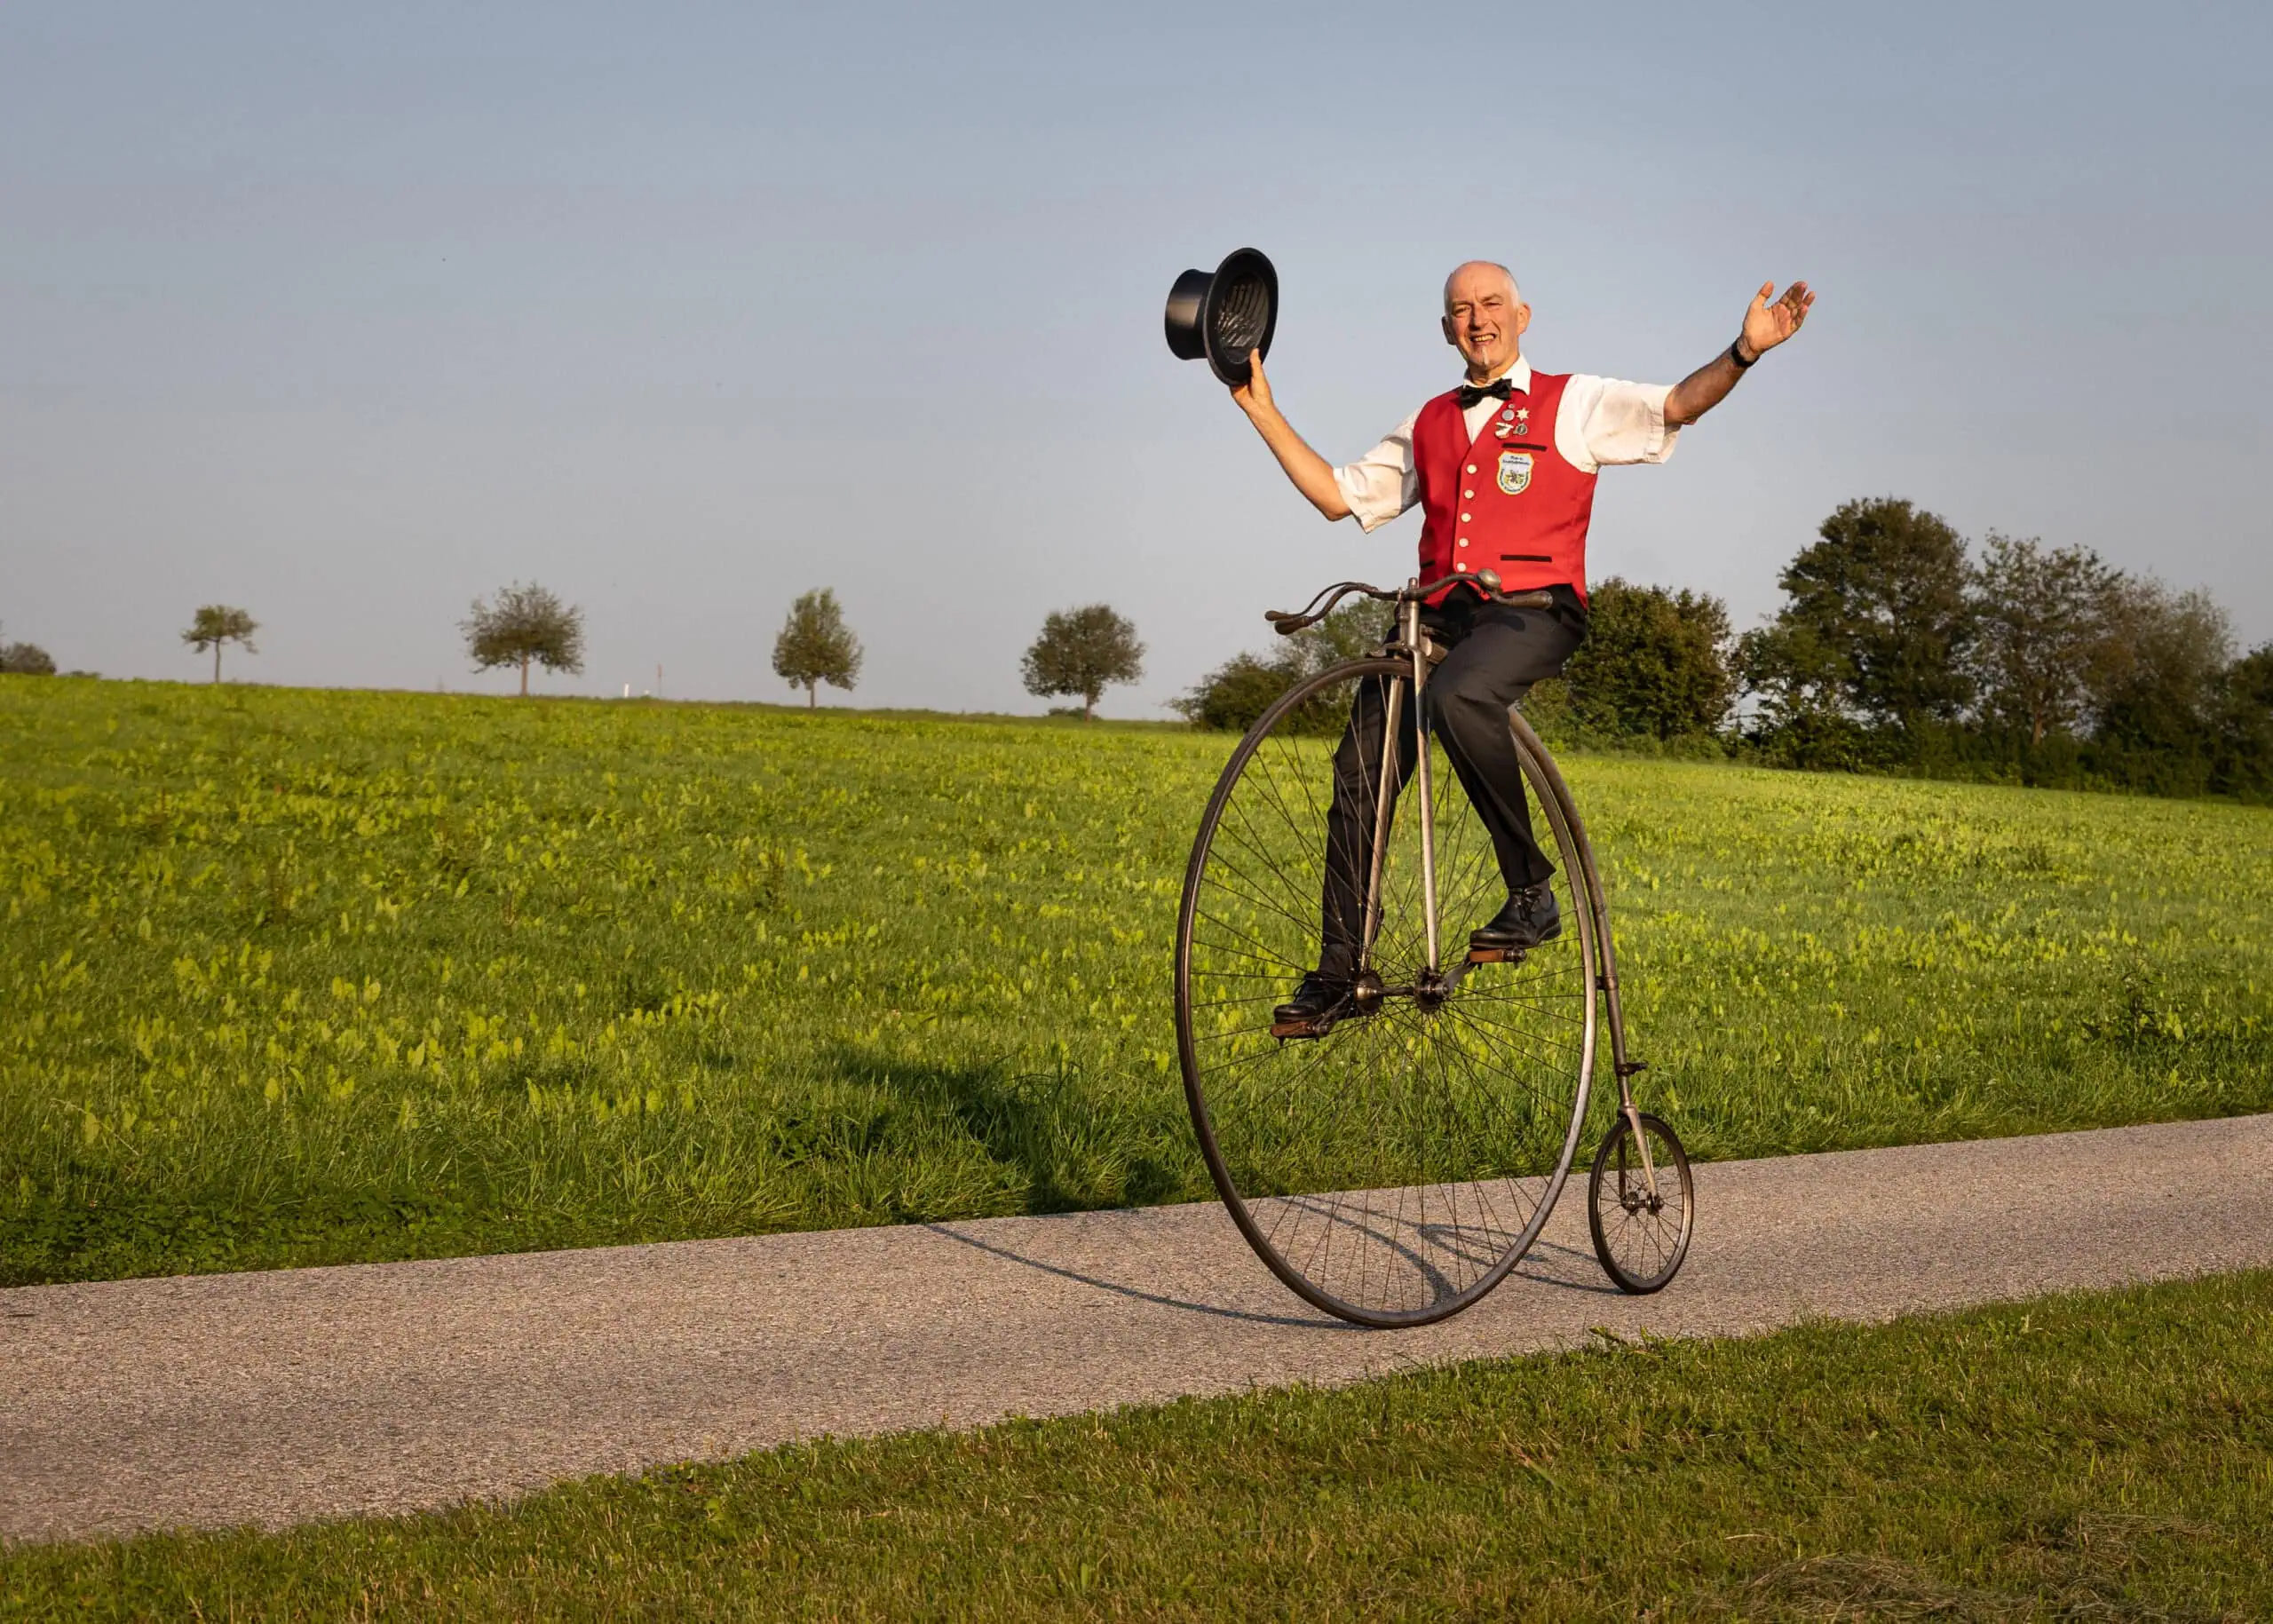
<point x="295" y="978"/>
<point x="2103" y="1455"/>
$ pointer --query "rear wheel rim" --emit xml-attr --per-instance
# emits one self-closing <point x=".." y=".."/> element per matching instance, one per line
<point x="1395" y="1169"/>
<point x="1641" y="1234"/>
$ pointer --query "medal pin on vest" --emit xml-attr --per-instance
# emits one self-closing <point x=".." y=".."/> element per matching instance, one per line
<point x="1225" y="314"/>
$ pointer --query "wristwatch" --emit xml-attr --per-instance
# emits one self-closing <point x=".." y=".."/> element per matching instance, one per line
<point x="1736" y="353"/>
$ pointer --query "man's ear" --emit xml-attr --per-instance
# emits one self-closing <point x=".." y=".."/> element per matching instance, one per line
<point x="1445" y="323"/>
<point x="1523" y="319"/>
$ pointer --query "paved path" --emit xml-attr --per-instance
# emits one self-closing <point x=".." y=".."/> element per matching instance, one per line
<point x="282" y="1397"/>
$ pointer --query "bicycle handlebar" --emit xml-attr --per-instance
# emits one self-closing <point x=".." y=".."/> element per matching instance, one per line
<point x="1485" y="581"/>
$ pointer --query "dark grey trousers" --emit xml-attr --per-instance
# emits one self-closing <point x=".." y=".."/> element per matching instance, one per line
<point x="1497" y="654"/>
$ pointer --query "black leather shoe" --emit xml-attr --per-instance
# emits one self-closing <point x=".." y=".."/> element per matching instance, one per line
<point x="1317" y="1004"/>
<point x="1531" y="917"/>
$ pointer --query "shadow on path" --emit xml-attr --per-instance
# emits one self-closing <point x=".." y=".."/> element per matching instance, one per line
<point x="1041" y="1127"/>
<point x="1316" y="1322"/>
<point x="1529" y="1269"/>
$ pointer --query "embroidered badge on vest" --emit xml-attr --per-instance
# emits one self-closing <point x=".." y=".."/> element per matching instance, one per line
<point x="1515" y="472"/>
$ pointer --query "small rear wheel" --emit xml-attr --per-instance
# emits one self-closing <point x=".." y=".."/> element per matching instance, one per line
<point x="1641" y="1215"/>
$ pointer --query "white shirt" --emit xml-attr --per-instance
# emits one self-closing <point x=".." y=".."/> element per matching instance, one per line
<point x="1602" y="422"/>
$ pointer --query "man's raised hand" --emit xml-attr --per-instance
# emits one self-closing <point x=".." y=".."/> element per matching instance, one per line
<point x="1254" y="395"/>
<point x="1767" y="325"/>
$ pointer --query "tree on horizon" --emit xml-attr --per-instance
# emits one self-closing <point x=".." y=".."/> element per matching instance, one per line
<point x="1084" y="652"/>
<point x="219" y="624"/>
<point x="2046" y="632"/>
<point x="24" y="659"/>
<point x="1655" y="662"/>
<point x="1877" y="623"/>
<point x="816" y="646"/>
<point x="526" y="623"/>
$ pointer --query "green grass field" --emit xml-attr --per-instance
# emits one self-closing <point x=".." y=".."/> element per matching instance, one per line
<point x="296" y="977"/>
<point x="2105" y="1456"/>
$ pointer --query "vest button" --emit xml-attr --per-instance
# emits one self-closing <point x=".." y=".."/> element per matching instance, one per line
<point x="1460" y="565"/>
<point x="1463" y="541"/>
<point x="1469" y="495"/>
<point x="1466" y="517"/>
<point x="1471" y="468"/>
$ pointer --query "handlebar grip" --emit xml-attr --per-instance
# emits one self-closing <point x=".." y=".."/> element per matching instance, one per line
<point x="1537" y="598"/>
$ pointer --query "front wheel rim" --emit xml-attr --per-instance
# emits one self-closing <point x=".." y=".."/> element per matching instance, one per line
<point x="1409" y="1231"/>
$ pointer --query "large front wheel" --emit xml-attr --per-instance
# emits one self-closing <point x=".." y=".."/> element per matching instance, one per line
<point x="1392" y="1164"/>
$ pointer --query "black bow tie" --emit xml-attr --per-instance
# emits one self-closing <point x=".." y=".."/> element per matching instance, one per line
<point x="1470" y="393"/>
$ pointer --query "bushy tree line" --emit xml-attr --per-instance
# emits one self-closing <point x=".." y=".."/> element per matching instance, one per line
<point x="1654" y="666"/>
<point x="1898" y="647"/>
<point x="1236" y="692"/>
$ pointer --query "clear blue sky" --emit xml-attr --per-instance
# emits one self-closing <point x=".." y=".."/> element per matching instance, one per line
<point x="346" y="314"/>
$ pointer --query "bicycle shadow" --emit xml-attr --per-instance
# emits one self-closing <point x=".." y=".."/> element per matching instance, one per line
<point x="1535" y="1265"/>
<point x="1546" y="1264"/>
<point x="1479" y="1245"/>
<point x="1313" y="1320"/>
<point x="1024" y="1124"/>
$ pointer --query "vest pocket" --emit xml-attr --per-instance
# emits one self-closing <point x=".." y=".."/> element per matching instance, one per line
<point x="1526" y="558"/>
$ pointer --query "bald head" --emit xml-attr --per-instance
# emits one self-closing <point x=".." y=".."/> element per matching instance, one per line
<point x="1484" y="318"/>
<point x="1484" y="273"/>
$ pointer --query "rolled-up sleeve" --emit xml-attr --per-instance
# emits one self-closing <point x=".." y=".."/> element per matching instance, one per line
<point x="1381" y="484"/>
<point x="1606" y="422"/>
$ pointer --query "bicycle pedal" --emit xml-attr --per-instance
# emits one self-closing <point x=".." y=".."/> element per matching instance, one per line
<point x="1496" y="955"/>
<point x="1283" y="1030"/>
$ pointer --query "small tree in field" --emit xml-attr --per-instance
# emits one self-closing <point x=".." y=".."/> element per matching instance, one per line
<point x="216" y="624"/>
<point x="526" y="623"/>
<point x="816" y="646"/>
<point x="1084" y="652"/>
<point x="25" y="660"/>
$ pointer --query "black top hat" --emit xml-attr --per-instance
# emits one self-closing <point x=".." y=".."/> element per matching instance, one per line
<point x="1226" y="315"/>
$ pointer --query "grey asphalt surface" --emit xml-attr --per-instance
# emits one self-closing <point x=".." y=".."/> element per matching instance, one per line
<point x="278" y="1398"/>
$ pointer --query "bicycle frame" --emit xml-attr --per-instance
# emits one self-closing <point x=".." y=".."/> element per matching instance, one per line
<point x="1447" y="1057"/>
<point x="1412" y="642"/>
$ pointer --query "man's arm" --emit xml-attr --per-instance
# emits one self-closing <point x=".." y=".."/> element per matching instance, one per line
<point x="1311" y="473"/>
<point x="1765" y="326"/>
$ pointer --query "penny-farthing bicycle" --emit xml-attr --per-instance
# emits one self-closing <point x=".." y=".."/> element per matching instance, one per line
<point x="1393" y="1164"/>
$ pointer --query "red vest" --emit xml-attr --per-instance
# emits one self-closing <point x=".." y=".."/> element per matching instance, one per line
<point x="1505" y="500"/>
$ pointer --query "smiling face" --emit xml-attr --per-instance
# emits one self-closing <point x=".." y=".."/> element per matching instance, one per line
<point x="1484" y="318"/>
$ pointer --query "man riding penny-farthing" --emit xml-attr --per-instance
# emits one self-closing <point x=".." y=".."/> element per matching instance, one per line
<point x="1455" y="1084"/>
